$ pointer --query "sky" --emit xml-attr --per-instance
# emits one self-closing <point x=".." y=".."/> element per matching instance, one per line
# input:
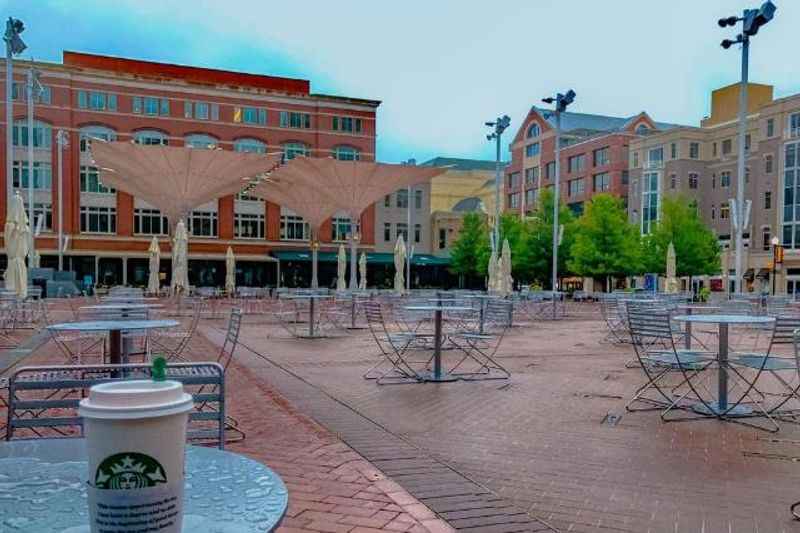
<point x="442" y="68"/>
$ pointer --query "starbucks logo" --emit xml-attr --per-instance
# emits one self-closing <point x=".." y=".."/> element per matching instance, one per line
<point x="129" y="470"/>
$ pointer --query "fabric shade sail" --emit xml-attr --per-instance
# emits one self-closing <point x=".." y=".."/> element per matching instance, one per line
<point x="177" y="179"/>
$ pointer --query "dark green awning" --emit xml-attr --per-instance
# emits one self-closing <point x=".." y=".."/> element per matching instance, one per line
<point x="373" y="258"/>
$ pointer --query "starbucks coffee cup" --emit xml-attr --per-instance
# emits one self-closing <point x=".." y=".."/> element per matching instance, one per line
<point x="135" y="439"/>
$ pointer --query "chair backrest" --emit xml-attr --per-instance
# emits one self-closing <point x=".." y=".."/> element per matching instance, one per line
<point x="231" y="338"/>
<point x="785" y="326"/>
<point x="43" y="400"/>
<point x="648" y="324"/>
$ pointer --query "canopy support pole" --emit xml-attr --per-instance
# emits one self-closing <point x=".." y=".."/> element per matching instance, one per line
<point x="353" y="252"/>
<point x="314" y="248"/>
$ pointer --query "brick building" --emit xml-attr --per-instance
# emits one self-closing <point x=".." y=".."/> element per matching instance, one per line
<point x="594" y="156"/>
<point x="157" y="103"/>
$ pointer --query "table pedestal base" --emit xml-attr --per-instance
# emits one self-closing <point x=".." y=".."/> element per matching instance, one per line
<point x="739" y="410"/>
<point x="431" y="376"/>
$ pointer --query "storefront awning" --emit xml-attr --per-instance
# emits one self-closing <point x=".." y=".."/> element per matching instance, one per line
<point x="763" y="273"/>
<point x="373" y="258"/>
<point x="749" y="275"/>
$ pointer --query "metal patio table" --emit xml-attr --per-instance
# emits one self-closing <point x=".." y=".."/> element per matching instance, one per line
<point x="483" y="298"/>
<point x="312" y="298"/>
<point x="721" y="406"/>
<point x="43" y="489"/>
<point x="116" y="351"/>
<point x="437" y="375"/>
<point x="690" y="309"/>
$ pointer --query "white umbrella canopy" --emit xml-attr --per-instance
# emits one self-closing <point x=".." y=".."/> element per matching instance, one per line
<point x="506" y="281"/>
<point x="17" y="237"/>
<point x="399" y="265"/>
<point x="341" y="269"/>
<point x="491" y="284"/>
<point x="177" y="179"/>
<point x="362" y="272"/>
<point x="153" y="282"/>
<point x="230" y="272"/>
<point x="180" y="260"/>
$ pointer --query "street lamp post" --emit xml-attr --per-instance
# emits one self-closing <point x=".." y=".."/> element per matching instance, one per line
<point x="14" y="46"/>
<point x="776" y="243"/>
<point x="62" y="140"/>
<point x="752" y="20"/>
<point x="561" y="101"/>
<point x="499" y="125"/>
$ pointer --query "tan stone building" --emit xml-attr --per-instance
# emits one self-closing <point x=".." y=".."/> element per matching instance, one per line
<point x="701" y="162"/>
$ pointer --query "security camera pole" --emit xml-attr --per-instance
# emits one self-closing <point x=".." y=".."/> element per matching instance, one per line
<point x="561" y="101"/>
<point x="499" y="126"/>
<point x="752" y="20"/>
<point x="14" y="46"/>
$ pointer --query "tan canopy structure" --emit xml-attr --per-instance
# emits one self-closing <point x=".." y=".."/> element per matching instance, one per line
<point x="177" y="179"/>
<point x="351" y="186"/>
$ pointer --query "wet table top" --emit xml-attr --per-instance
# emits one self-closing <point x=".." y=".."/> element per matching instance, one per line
<point x="113" y="325"/>
<point x="725" y="319"/>
<point x="43" y="489"/>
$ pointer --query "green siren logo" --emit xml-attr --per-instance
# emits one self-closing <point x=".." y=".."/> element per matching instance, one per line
<point x="129" y="470"/>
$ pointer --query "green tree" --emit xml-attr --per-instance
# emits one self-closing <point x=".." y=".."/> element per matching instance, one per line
<point x="536" y="255"/>
<point x="606" y="244"/>
<point x="697" y="249"/>
<point x="469" y="255"/>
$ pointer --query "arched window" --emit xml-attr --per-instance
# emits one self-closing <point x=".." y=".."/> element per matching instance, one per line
<point x="533" y="131"/>
<point x="293" y="149"/>
<point x="42" y="134"/>
<point x="249" y="145"/>
<point x="346" y="153"/>
<point x="151" y="137"/>
<point x="200" y="141"/>
<point x="96" y="132"/>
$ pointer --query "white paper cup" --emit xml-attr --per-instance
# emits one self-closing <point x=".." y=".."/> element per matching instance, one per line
<point x="135" y="440"/>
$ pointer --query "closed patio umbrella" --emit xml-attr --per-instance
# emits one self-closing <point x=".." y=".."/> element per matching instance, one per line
<point x="506" y="281"/>
<point x="672" y="281"/>
<point x="180" y="260"/>
<point x="230" y="272"/>
<point x="341" y="269"/>
<point x="362" y="272"/>
<point x="17" y="236"/>
<point x="491" y="284"/>
<point x="153" y="283"/>
<point x="399" y="265"/>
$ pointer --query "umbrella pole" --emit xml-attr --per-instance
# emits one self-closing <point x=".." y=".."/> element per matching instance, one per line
<point x="314" y="248"/>
<point x="353" y="251"/>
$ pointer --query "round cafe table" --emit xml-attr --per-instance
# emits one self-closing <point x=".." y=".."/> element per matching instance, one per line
<point x="312" y="298"/>
<point x="438" y="375"/>
<point x="721" y="407"/>
<point x="43" y="490"/>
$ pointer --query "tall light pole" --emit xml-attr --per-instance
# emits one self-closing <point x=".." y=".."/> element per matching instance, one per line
<point x="752" y="20"/>
<point x="410" y="206"/>
<point x="561" y="101"/>
<point x="499" y="125"/>
<point x="32" y="89"/>
<point x="62" y="140"/>
<point x="14" y="46"/>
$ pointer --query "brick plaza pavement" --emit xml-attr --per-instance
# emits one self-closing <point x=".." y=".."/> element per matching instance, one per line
<point x="538" y="443"/>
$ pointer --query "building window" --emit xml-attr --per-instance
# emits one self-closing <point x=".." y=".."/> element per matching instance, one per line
<point x="401" y="229"/>
<point x="693" y="180"/>
<point x="98" y="219"/>
<point x="532" y="150"/>
<point x="417" y="198"/>
<point x="791" y="196"/>
<point x="149" y="222"/>
<point x="766" y="237"/>
<point x="714" y="149"/>
<point x="576" y="163"/>
<point x="201" y="110"/>
<point x="635" y="159"/>
<point x="44" y="211"/>
<point x="442" y="238"/>
<point x="531" y="175"/>
<point x="725" y="179"/>
<point x="601" y="182"/>
<point x="747" y="142"/>
<point x="42" y="134"/>
<point x="387" y="200"/>
<point x="203" y="223"/>
<point x="151" y="106"/>
<point x="294" y="228"/>
<point x="576" y="187"/>
<point x="513" y="180"/>
<point x="249" y="145"/>
<point x="530" y="198"/>
<point x="550" y="170"/>
<point x="341" y="228"/>
<point x="694" y="150"/>
<point x="95" y="132"/>
<point x="724" y="211"/>
<point x="600" y="157"/>
<point x="533" y="131"/>
<point x="348" y="124"/>
<point x="249" y="226"/>
<point x="794" y="125"/>
<point x="673" y="181"/>
<point x="768" y="162"/>
<point x="655" y="157"/>
<point x="387" y="231"/>
<point x="625" y="177"/>
<point x="513" y="200"/>
<point x="767" y="200"/>
<point x="673" y="151"/>
<point x="250" y="115"/>
<point x="770" y="127"/>
<point x="42" y="175"/>
<point x="292" y="150"/>
<point x="290" y="119"/>
<point x="346" y="153"/>
<point x="417" y="233"/>
<point x="727" y="146"/>
<point x="650" y="201"/>
<point x="200" y="141"/>
<point x="713" y="180"/>
<point x="401" y="198"/>
<point x="713" y="212"/>
<point x="97" y="101"/>
<point x="19" y="93"/>
<point x="90" y="181"/>
<point x="150" y="137"/>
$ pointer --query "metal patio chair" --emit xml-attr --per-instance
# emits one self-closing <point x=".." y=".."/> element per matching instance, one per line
<point x="172" y="342"/>
<point x="395" y="348"/>
<point x="614" y="315"/>
<point x="480" y="349"/>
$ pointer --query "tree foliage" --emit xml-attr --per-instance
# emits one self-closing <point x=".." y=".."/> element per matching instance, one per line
<point x="606" y="244"/>
<point x="469" y="254"/>
<point x="697" y="249"/>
